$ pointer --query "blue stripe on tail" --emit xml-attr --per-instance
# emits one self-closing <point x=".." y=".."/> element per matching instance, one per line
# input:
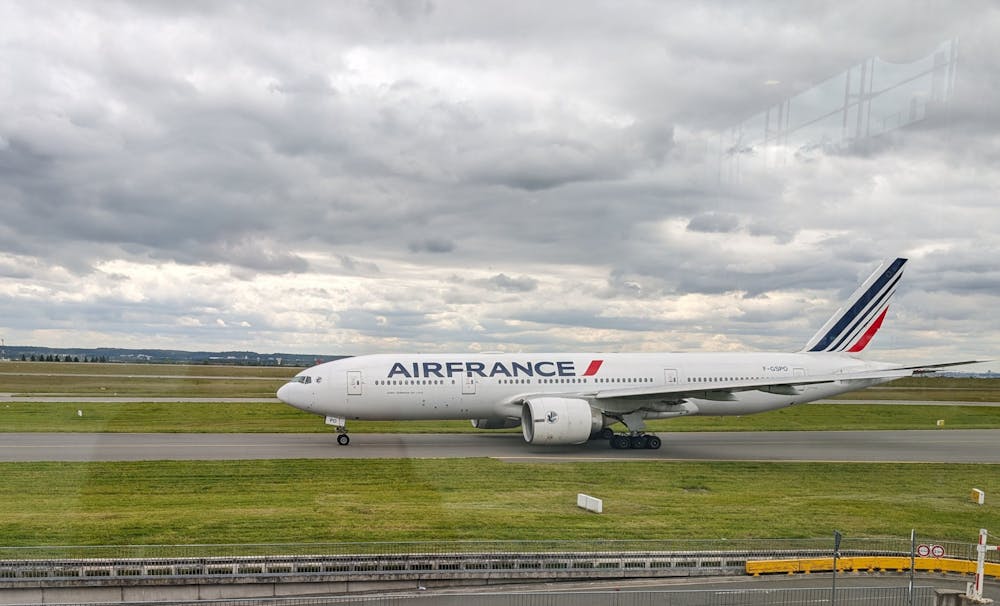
<point x="864" y="309"/>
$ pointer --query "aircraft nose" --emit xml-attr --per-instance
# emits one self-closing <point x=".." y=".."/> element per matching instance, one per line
<point x="297" y="395"/>
<point x="285" y="393"/>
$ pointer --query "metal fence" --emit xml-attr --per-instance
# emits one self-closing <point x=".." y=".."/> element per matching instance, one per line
<point x="848" y="596"/>
<point x="433" y="560"/>
<point x="316" y="568"/>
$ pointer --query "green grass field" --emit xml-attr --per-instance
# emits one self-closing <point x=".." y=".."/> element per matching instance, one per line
<point x="139" y="370"/>
<point x="169" y="502"/>
<point x="137" y="380"/>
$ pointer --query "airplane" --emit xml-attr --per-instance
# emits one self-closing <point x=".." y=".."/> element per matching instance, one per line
<point x="570" y="398"/>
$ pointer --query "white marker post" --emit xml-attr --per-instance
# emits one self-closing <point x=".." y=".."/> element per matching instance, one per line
<point x="589" y="503"/>
<point x="975" y="588"/>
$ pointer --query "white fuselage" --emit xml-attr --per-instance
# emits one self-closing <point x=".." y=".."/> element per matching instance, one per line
<point x="570" y="398"/>
<point x="479" y="386"/>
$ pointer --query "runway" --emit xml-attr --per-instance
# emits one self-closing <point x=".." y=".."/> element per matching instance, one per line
<point x="931" y="446"/>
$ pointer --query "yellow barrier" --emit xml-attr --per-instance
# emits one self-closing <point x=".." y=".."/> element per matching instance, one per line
<point x="867" y="564"/>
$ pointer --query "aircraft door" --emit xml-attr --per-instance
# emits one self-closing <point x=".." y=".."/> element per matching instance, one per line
<point x="670" y="376"/>
<point x="354" y="383"/>
<point x="468" y="385"/>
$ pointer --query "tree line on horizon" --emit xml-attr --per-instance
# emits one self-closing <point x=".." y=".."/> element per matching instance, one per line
<point x="63" y="358"/>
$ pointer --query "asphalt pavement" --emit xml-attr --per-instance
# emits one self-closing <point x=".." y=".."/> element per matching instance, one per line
<point x="931" y="446"/>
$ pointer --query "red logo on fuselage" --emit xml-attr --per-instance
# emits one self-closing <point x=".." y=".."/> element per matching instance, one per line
<point x="595" y="365"/>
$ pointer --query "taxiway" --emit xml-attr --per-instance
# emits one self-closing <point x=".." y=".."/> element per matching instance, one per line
<point x="930" y="446"/>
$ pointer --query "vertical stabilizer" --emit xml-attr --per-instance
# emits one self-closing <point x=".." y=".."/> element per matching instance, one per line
<point x="854" y="325"/>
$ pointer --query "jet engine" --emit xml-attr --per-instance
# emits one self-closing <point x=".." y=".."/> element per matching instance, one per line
<point x="495" y="423"/>
<point x="559" y="421"/>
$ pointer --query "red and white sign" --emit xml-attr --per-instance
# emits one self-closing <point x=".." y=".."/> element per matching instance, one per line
<point x="932" y="551"/>
<point x="975" y="590"/>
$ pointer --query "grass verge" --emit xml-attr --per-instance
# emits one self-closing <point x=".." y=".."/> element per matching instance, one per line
<point x="273" y="417"/>
<point x="135" y="380"/>
<point x="170" y="502"/>
<point x="11" y="368"/>
<point x="100" y="386"/>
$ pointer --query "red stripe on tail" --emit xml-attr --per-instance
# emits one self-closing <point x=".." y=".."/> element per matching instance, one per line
<point x="863" y="341"/>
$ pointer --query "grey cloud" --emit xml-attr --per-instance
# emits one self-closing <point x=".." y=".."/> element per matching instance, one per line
<point x="407" y="10"/>
<point x="538" y="165"/>
<point x="970" y="269"/>
<point x="394" y="322"/>
<point x="262" y="257"/>
<point x="525" y="136"/>
<point x="357" y="266"/>
<point x="621" y="284"/>
<point x="432" y="245"/>
<point x="782" y="232"/>
<point x="505" y="283"/>
<point x="306" y="84"/>
<point x="714" y="223"/>
<point x="585" y="318"/>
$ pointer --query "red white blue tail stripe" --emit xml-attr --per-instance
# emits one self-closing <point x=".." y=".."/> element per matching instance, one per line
<point x="854" y="325"/>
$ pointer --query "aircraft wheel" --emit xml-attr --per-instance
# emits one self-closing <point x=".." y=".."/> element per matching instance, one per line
<point x="637" y="441"/>
<point x="343" y="439"/>
<point x="653" y="442"/>
<point x="607" y="433"/>
<point x="619" y="442"/>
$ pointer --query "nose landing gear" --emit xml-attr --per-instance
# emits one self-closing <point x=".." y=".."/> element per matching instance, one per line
<point x="340" y="424"/>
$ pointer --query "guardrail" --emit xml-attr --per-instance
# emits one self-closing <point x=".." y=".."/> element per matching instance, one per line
<point x="370" y="567"/>
<point x="870" y="564"/>
<point x="919" y="595"/>
<point x="343" y="563"/>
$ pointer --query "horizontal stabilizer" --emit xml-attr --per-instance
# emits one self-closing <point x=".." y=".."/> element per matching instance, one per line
<point x="929" y="368"/>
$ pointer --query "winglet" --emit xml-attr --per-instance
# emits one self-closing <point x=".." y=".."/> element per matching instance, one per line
<point x="854" y="325"/>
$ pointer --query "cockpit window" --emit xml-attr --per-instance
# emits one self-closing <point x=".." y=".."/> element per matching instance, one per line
<point x="301" y="379"/>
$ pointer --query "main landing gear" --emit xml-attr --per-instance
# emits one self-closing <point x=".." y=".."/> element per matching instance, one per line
<point x="623" y="441"/>
<point x="635" y="439"/>
<point x="340" y="424"/>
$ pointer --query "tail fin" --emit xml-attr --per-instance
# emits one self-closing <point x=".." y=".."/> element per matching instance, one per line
<point x="854" y="325"/>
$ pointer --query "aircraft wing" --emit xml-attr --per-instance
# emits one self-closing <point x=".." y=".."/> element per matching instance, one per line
<point x="723" y="390"/>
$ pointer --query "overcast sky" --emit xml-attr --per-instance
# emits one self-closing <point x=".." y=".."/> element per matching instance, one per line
<point x="360" y="177"/>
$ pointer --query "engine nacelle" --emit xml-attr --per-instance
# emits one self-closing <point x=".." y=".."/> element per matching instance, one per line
<point x="496" y="423"/>
<point x="559" y="421"/>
